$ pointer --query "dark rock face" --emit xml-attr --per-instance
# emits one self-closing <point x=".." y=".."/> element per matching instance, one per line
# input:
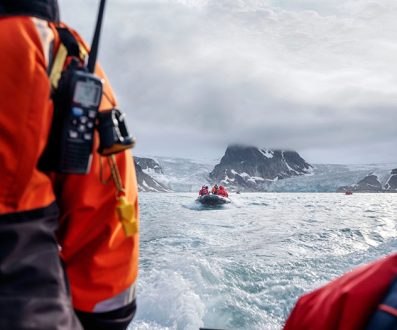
<point x="391" y="183"/>
<point x="369" y="184"/>
<point x="250" y="168"/>
<point x="147" y="183"/>
<point x="148" y="164"/>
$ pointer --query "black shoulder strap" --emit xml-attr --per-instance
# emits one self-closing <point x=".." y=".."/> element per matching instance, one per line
<point x="69" y="41"/>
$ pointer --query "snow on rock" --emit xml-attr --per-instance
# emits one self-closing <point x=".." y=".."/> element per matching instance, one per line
<point x="149" y="165"/>
<point x="145" y="181"/>
<point x="266" y="153"/>
<point x="391" y="183"/>
<point x="180" y="174"/>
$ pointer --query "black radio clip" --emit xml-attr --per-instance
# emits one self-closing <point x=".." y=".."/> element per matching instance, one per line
<point x="76" y="113"/>
<point x="113" y="133"/>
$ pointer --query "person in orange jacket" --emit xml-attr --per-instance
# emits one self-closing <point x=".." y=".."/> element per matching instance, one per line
<point x="56" y="228"/>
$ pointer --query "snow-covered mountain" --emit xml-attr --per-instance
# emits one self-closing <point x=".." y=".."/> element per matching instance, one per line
<point x="179" y="174"/>
<point x="164" y="174"/>
<point x="144" y="167"/>
<point x="149" y="165"/>
<point x="252" y="169"/>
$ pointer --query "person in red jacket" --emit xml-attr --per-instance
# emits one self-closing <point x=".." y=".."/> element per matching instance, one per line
<point x="222" y="192"/>
<point x="203" y="191"/>
<point x="57" y="228"/>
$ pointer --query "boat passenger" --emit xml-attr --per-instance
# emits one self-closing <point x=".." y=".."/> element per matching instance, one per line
<point x="215" y="190"/>
<point x="222" y="192"/>
<point x="203" y="191"/>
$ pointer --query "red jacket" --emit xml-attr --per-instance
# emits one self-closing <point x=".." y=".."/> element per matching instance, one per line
<point x="203" y="192"/>
<point x="346" y="303"/>
<point x="223" y="192"/>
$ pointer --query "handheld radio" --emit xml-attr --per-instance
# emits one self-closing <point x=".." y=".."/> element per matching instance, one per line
<point x="76" y="106"/>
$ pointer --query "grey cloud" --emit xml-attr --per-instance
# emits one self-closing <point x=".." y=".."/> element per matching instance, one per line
<point x="296" y="74"/>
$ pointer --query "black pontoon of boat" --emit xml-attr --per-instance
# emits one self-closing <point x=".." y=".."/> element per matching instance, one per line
<point x="213" y="200"/>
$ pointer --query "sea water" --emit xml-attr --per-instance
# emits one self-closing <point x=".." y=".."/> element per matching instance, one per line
<point x="243" y="265"/>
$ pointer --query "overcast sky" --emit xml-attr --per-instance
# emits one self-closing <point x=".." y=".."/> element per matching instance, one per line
<point x="319" y="77"/>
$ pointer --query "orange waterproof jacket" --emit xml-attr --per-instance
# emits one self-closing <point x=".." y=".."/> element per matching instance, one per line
<point x="101" y="262"/>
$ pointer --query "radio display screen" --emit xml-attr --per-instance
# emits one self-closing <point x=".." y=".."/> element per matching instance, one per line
<point x="87" y="93"/>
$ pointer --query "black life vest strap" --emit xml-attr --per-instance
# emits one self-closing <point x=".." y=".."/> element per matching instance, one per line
<point x="69" y="41"/>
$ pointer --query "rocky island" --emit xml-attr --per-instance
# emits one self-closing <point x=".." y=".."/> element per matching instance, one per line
<point x="250" y="168"/>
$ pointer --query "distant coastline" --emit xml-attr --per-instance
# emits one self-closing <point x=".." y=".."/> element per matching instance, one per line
<point x="252" y="169"/>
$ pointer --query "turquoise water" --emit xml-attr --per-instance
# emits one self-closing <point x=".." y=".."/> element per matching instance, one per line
<point x="244" y="265"/>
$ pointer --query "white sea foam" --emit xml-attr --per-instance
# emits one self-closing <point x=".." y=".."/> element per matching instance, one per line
<point x="244" y="266"/>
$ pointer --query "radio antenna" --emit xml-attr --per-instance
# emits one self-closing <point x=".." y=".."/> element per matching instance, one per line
<point x="95" y="41"/>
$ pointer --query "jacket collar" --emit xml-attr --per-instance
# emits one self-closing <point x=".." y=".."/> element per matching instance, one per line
<point x="45" y="9"/>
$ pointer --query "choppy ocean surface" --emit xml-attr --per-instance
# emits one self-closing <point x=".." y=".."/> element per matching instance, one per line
<point x="244" y="265"/>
